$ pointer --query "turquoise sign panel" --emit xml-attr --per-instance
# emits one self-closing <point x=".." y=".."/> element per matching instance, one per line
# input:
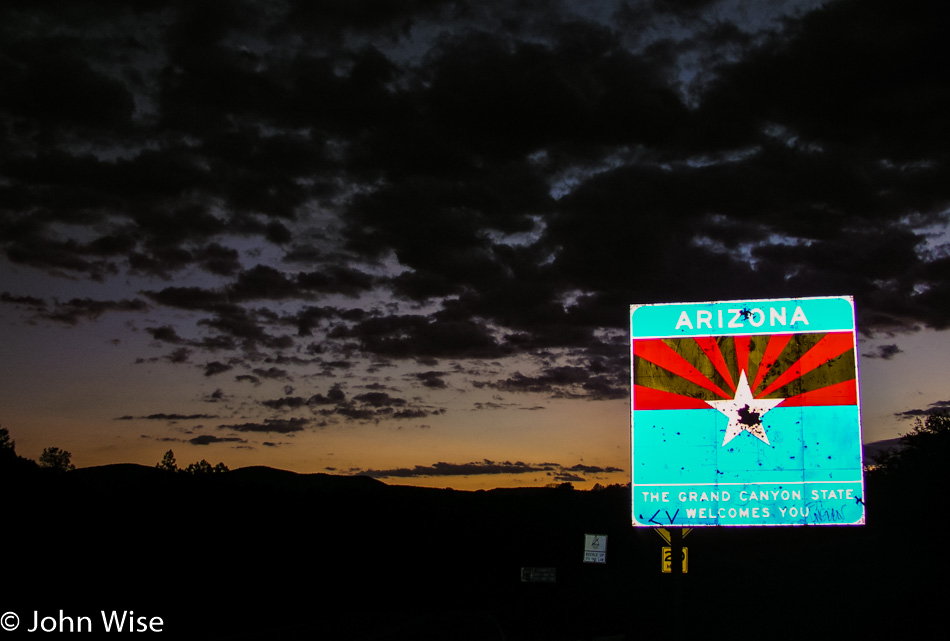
<point x="745" y="413"/>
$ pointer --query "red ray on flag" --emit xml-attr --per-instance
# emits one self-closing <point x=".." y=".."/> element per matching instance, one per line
<point x="658" y="352"/>
<point x="845" y="393"/>
<point x="772" y="351"/>
<point x="710" y="347"/>
<point x="684" y="373"/>
<point x="829" y="347"/>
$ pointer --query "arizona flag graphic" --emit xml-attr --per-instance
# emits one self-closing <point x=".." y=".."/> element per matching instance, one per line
<point x="746" y="413"/>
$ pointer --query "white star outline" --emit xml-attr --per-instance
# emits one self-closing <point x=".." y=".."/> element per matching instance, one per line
<point x="743" y="406"/>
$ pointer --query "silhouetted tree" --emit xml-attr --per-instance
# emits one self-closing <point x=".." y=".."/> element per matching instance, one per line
<point x="10" y="463"/>
<point x="7" y="452"/>
<point x="56" y="459"/>
<point x="204" y="467"/>
<point x="168" y="462"/>
<point x="6" y="443"/>
<point x="923" y="453"/>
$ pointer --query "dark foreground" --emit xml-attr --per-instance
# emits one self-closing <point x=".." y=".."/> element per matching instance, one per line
<point x="261" y="553"/>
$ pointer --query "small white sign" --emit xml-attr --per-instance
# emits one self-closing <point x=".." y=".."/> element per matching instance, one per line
<point x="595" y="548"/>
<point x="538" y="575"/>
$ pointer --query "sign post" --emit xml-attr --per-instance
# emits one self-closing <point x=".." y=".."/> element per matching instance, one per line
<point x="745" y="413"/>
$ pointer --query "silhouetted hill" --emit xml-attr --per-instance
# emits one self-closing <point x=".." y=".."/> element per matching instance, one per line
<point x="873" y="449"/>
<point x="116" y="473"/>
<point x="264" y="552"/>
<point x="261" y="475"/>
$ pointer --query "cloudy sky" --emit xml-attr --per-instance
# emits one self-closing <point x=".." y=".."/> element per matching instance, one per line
<point x="401" y="237"/>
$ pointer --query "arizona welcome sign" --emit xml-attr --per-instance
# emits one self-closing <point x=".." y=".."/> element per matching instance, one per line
<point x="745" y="413"/>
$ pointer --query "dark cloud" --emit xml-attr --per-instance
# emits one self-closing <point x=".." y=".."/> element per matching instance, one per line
<point x="372" y="406"/>
<point x="377" y="406"/>
<point x="379" y="399"/>
<point x="414" y="413"/>
<point x="886" y="352"/>
<point x="302" y="191"/>
<point x="798" y="81"/>
<point x="190" y="298"/>
<point x="218" y="259"/>
<point x="286" y="402"/>
<point x="246" y="327"/>
<point x="938" y="407"/>
<point x="214" y="367"/>
<point x="74" y="310"/>
<point x="461" y="469"/>
<point x="419" y="336"/>
<point x="215" y="396"/>
<point x="25" y="301"/>
<point x="272" y="373"/>
<point x="561" y="382"/>
<point x="262" y="282"/>
<point x="592" y="469"/>
<point x="165" y="334"/>
<point x="51" y="82"/>
<point x="179" y="355"/>
<point x="208" y="439"/>
<point x="183" y="354"/>
<point x="169" y="417"/>
<point x="279" y="426"/>
<point x="682" y="6"/>
<point x="567" y="477"/>
<point x="487" y="467"/>
<point x="431" y="379"/>
<point x="914" y="412"/>
<point x="479" y="135"/>
<point x="336" y="280"/>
